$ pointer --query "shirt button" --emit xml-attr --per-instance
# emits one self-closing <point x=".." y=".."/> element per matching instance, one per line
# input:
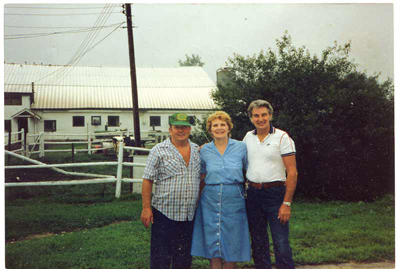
<point x="217" y="244"/>
<point x="218" y="224"/>
<point x="217" y="214"/>
<point x="217" y="233"/>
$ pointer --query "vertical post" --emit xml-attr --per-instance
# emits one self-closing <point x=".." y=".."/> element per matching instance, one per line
<point x="23" y="137"/>
<point x="27" y="145"/>
<point x="120" y="167"/>
<point x="9" y="147"/>
<point x="9" y="140"/>
<point x="73" y="156"/>
<point x="132" y="158"/>
<point x="33" y="93"/>
<point x="73" y="153"/>
<point x="41" y="146"/>
<point x="135" y="103"/>
<point x="90" y="143"/>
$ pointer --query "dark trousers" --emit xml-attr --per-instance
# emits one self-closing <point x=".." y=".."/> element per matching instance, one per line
<point x="262" y="207"/>
<point x="170" y="243"/>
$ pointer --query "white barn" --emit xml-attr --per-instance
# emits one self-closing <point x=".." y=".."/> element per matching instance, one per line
<point x="83" y="99"/>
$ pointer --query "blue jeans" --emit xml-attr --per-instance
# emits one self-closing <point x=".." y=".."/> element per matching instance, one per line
<point x="171" y="242"/>
<point x="262" y="207"/>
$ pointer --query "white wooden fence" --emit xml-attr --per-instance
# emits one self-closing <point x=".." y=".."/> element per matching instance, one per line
<point x="96" y="178"/>
<point x="35" y="143"/>
<point x="15" y="140"/>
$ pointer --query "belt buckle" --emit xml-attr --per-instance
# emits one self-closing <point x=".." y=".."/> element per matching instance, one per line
<point x="261" y="186"/>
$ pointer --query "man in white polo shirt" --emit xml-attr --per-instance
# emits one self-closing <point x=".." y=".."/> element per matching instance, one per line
<point x="272" y="179"/>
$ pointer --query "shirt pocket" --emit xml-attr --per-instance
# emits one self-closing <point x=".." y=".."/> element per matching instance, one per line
<point x="171" y="166"/>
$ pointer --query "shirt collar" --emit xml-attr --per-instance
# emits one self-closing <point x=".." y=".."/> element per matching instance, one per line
<point x="271" y="130"/>
<point x="230" y="141"/>
<point x="168" y="143"/>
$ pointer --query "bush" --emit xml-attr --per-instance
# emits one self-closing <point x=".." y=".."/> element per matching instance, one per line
<point x="341" y="120"/>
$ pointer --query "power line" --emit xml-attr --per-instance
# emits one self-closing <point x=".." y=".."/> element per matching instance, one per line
<point x="103" y="38"/>
<point x="76" y="57"/>
<point x="83" y="49"/>
<point x="82" y="30"/>
<point x="20" y="7"/>
<point x="74" y="14"/>
<point x="52" y="27"/>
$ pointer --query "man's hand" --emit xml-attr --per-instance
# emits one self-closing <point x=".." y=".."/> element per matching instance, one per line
<point x="284" y="213"/>
<point x="147" y="217"/>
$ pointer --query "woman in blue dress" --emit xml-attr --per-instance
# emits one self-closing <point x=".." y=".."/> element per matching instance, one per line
<point x="221" y="231"/>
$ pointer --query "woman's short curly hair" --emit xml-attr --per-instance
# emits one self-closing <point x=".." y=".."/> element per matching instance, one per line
<point x="221" y="115"/>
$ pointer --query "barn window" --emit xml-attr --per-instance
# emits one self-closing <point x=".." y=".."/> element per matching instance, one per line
<point x="155" y="120"/>
<point x="13" y="100"/>
<point x="50" y="126"/>
<point x="113" y="121"/>
<point x="78" y="121"/>
<point x="96" y="120"/>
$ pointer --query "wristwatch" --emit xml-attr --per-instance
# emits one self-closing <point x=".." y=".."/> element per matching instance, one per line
<point x="287" y="203"/>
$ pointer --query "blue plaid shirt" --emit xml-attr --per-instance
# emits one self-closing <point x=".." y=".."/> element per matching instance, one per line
<point x="176" y="185"/>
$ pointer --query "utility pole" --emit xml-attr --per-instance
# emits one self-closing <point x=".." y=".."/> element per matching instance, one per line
<point x="135" y="104"/>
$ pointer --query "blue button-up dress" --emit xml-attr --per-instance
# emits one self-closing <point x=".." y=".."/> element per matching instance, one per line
<point x="221" y="228"/>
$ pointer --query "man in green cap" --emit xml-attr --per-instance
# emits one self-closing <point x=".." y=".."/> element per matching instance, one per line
<point x="173" y="166"/>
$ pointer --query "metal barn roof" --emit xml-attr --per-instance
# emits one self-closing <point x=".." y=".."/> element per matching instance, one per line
<point x="79" y="87"/>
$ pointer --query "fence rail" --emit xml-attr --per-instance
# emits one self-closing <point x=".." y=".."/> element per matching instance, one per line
<point x="100" y="178"/>
<point x="10" y="141"/>
<point x="39" y="140"/>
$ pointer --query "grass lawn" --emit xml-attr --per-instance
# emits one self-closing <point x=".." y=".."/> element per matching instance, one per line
<point x="85" y="226"/>
<point x="91" y="231"/>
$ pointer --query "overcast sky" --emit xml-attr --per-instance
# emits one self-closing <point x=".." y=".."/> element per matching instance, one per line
<point x="164" y="33"/>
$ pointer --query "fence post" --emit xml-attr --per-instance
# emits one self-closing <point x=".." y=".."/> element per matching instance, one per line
<point x="9" y="141"/>
<point x="132" y="159"/>
<point x="9" y="147"/>
<point x="23" y="138"/>
<point x="27" y="145"/>
<point x="120" y="167"/>
<point x="72" y="152"/>
<point x="89" y="143"/>
<point x="41" y="146"/>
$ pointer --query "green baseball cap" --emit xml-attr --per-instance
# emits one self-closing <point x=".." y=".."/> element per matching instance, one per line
<point x="179" y="119"/>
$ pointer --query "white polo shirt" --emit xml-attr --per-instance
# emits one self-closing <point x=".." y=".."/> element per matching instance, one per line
<point x="265" y="157"/>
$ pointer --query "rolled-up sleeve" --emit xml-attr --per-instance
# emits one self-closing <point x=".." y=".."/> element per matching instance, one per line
<point x="152" y="164"/>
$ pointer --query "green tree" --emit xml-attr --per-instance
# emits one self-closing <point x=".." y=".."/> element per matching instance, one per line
<point x="194" y="60"/>
<point x="341" y="120"/>
<point x="200" y="135"/>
